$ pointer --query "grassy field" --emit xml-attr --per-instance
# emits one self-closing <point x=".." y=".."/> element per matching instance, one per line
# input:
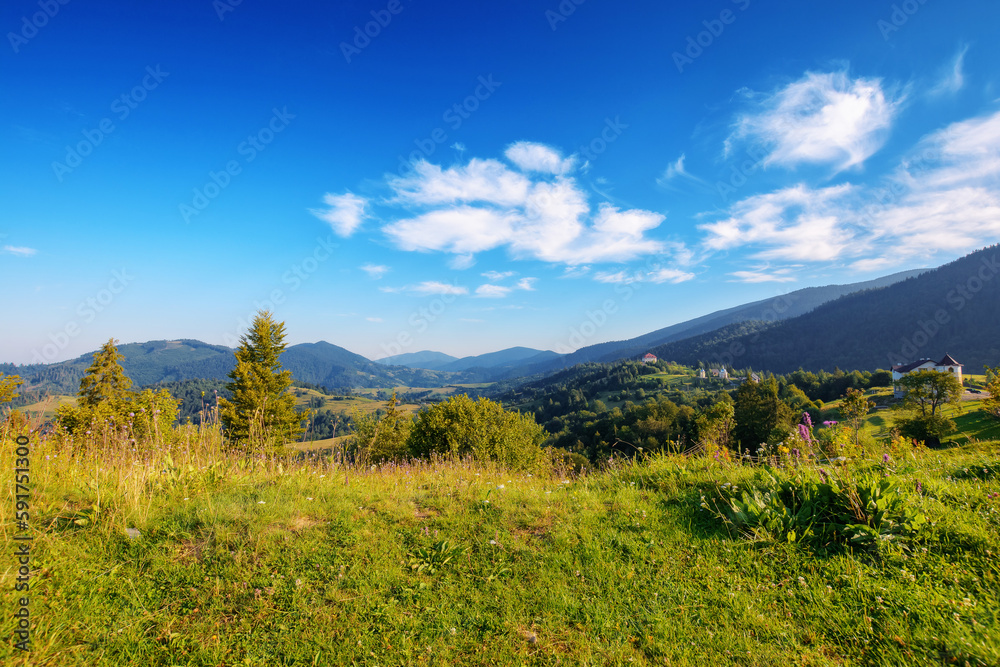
<point x="181" y="554"/>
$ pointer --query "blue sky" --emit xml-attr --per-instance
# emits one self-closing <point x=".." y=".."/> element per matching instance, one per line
<point x="400" y="176"/>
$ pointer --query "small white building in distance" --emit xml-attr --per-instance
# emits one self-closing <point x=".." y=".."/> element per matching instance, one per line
<point x="649" y="358"/>
<point x="946" y="365"/>
<point x="701" y="373"/>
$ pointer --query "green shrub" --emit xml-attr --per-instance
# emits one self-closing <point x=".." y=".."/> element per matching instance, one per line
<point x="482" y="429"/>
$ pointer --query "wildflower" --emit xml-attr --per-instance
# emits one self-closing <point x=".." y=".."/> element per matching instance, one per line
<point x="829" y="423"/>
<point x="885" y="458"/>
<point x="260" y="502"/>
<point x="452" y="631"/>
<point x="920" y="487"/>
<point x="806" y="419"/>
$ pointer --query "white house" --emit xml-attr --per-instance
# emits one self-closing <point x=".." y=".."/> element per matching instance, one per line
<point x="701" y="373"/>
<point x="650" y="358"/>
<point x="946" y="365"/>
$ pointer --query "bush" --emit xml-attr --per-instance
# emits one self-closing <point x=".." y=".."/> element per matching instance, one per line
<point x="381" y="439"/>
<point x="482" y="429"/>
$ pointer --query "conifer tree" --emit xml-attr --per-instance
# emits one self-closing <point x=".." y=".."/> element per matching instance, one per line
<point x="8" y="385"/>
<point x="105" y="378"/>
<point x="260" y="406"/>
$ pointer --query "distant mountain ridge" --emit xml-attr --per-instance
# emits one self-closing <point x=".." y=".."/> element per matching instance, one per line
<point x="954" y="309"/>
<point x="791" y="326"/>
<point x="774" y="309"/>
<point x="174" y="360"/>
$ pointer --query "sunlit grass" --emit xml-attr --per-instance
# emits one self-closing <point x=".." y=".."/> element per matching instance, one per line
<point x="261" y="560"/>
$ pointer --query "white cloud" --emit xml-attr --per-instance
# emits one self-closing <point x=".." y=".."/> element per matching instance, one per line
<point x="485" y="205"/>
<point x="764" y="275"/>
<point x="493" y="291"/>
<point x="821" y="119"/>
<point x="428" y="288"/>
<point x="527" y="284"/>
<point x="20" y="251"/>
<point x="530" y="156"/>
<point x="945" y="197"/>
<point x="797" y="223"/>
<point x="496" y="276"/>
<point x="575" y="271"/>
<point x="462" y="262"/>
<point x="432" y="287"/>
<point x="375" y="271"/>
<point x="953" y="78"/>
<point x="669" y="276"/>
<point x="656" y="275"/>
<point x="488" y="181"/>
<point x="461" y="230"/>
<point x="345" y="214"/>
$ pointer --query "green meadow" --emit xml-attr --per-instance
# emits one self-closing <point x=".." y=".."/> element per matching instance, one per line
<point x="175" y="551"/>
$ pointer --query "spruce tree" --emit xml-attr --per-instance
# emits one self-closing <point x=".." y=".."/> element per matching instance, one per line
<point x="260" y="407"/>
<point x="105" y="379"/>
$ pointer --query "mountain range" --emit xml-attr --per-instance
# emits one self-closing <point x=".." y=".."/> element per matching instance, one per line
<point x="953" y="309"/>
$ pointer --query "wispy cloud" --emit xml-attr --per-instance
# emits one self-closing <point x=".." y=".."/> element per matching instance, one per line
<point x="676" y="170"/>
<point x="493" y="291"/>
<point x="374" y="319"/>
<point x="764" y="275"/>
<point x="527" y="284"/>
<point x="496" y="276"/>
<point x="375" y="271"/>
<point x="823" y="118"/>
<point x="427" y="288"/>
<point x="346" y="212"/>
<point x="952" y="79"/>
<point x="658" y="275"/>
<point x="20" y="251"/>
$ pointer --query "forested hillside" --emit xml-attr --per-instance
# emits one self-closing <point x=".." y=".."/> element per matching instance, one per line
<point x="954" y="309"/>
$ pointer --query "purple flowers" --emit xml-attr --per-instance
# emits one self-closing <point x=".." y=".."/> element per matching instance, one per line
<point x="806" y="419"/>
<point x="804" y="433"/>
<point x="829" y="424"/>
<point x="885" y="458"/>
